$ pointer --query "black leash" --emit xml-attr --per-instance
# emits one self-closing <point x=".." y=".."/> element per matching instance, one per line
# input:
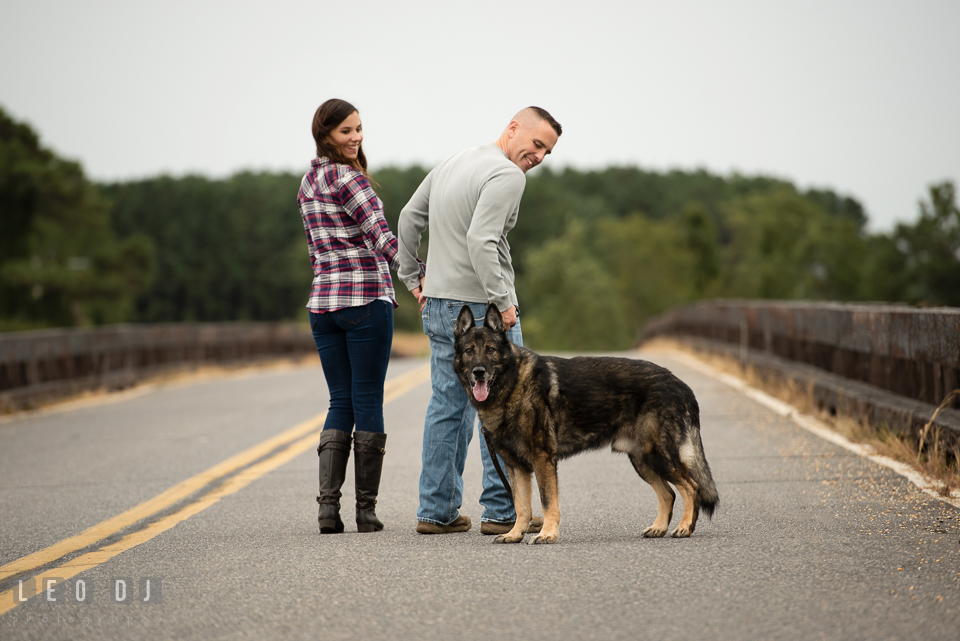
<point x="496" y="461"/>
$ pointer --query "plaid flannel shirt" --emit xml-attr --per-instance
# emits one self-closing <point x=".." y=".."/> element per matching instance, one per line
<point x="351" y="246"/>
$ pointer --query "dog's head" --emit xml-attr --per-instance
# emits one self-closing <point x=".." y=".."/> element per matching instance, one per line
<point x="481" y="354"/>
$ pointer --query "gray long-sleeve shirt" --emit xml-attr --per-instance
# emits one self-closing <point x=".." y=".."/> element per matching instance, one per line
<point x="470" y="202"/>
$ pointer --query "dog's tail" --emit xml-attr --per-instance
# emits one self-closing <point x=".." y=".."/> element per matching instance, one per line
<point x="692" y="454"/>
<point x="709" y="499"/>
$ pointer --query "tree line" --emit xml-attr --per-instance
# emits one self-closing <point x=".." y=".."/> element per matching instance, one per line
<point x="597" y="253"/>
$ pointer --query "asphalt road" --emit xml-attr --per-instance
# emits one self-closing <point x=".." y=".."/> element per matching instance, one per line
<point x="810" y="541"/>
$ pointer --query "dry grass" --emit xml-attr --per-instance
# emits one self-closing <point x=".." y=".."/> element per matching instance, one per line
<point x="928" y="453"/>
<point x="411" y="344"/>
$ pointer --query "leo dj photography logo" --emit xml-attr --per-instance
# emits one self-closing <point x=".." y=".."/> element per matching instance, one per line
<point x="119" y="591"/>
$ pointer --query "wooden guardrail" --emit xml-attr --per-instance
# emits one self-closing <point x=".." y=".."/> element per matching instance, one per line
<point x="893" y="363"/>
<point x="44" y="364"/>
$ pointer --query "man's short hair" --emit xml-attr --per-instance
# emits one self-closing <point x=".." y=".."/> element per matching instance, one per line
<point x="543" y="114"/>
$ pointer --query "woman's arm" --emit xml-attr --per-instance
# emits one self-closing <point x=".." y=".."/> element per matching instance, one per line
<point x="360" y="202"/>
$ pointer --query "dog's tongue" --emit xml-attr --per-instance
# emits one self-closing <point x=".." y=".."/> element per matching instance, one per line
<point x="480" y="391"/>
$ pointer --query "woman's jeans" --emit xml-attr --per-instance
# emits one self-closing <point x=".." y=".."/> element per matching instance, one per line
<point x="354" y="345"/>
<point x="448" y="427"/>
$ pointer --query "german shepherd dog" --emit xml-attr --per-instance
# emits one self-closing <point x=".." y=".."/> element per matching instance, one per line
<point x="537" y="410"/>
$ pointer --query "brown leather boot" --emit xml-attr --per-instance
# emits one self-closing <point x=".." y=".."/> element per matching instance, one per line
<point x="368" y="450"/>
<point x="334" y="450"/>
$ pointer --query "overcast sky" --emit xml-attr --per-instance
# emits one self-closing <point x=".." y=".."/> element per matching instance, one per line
<point x="861" y="97"/>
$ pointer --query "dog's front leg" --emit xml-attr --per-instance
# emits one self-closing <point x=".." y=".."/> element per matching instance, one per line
<point x="522" y="487"/>
<point x="546" y="470"/>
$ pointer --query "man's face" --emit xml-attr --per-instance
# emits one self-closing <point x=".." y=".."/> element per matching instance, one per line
<point x="530" y="143"/>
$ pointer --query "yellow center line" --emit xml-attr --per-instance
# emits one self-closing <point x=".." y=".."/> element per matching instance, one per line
<point x="300" y="438"/>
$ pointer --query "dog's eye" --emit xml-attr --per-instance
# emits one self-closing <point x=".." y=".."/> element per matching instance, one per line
<point x="469" y="351"/>
<point x="491" y="349"/>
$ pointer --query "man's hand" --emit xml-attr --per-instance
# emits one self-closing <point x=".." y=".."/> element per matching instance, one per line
<point x="418" y="294"/>
<point x="510" y="317"/>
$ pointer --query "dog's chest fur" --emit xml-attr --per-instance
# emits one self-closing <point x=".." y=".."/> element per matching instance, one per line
<point x="522" y="406"/>
<point x="533" y="414"/>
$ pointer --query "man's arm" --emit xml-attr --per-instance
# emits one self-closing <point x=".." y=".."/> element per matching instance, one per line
<point x="414" y="218"/>
<point x="499" y="198"/>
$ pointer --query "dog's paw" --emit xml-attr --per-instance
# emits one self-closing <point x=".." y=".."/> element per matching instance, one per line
<point x="653" y="532"/>
<point x="542" y="539"/>
<point x="681" y="532"/>
<point x="506" y="538"/>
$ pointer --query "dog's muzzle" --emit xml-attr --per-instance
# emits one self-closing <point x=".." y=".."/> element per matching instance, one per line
<point x="480" y="390"/>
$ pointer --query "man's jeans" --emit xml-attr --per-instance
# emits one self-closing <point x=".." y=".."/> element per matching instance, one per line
<point x="448" y="427"/>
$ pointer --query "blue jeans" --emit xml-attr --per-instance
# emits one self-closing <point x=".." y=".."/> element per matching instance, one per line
<point x="354" y="345"/>
<point x="448" y="427"/>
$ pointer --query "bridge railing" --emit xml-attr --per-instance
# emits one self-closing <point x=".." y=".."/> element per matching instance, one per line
<point x="44" y="364"/>
<point x="850" y="354"/>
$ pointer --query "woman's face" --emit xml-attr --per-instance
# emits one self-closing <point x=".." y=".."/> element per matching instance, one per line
<point x="347" y="136"/>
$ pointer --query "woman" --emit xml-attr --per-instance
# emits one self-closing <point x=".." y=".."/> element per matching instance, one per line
<point x="351" y="309"/>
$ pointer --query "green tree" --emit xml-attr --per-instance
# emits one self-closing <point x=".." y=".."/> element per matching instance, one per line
<point x="595" y="286"/>
<point x="885" y="273"/>
<point x="395" y="187"/>
<point x="920" y="263"/>
<point x="569" y="301"/>
<point x="61" y="263"/>
<point x="840" y="206"/>
<point x="230" y="249"/>
<point x="785" y="246"/>
<point x="702" y="240"/>
<point x="653" y="262"/>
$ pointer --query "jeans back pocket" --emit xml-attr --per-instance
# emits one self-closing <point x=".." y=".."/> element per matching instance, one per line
<point x="354" y="315"/>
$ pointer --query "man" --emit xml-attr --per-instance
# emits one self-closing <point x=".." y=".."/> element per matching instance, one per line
<point x="470" y="202"/>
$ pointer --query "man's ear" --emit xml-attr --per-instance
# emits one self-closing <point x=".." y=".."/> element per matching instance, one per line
<point x="465" y="322"/>
<point x="494" y="319"/>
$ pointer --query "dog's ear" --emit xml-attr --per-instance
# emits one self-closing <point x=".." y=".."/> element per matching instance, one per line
<point x="494" y="319"/>
<point x="465" y="322"/>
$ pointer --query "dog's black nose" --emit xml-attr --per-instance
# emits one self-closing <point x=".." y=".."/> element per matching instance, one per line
<point x="479" y="372"/>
